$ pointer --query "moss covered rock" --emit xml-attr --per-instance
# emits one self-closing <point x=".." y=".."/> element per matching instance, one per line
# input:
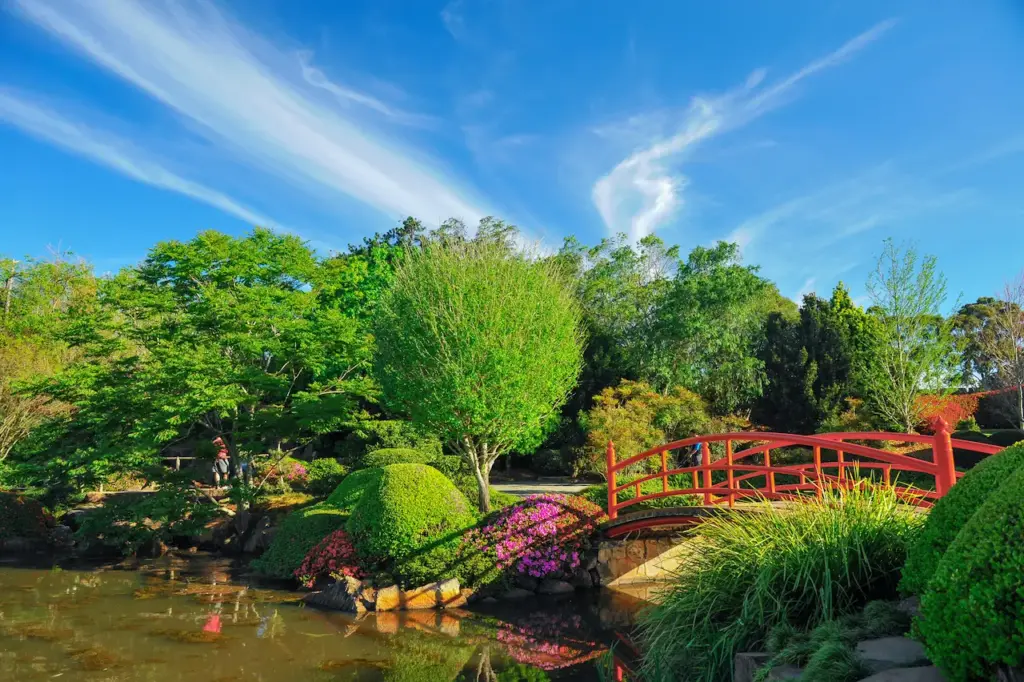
<point x="972" y="614"/>
<point x="297" y="535"/>
<point x="410" y="521"/>
<point x="952" y="512"/>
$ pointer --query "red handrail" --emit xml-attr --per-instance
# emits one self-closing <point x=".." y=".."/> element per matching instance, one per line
<point x="813" y="475"/>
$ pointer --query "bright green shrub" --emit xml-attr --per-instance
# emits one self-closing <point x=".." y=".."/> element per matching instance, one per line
<point x="451" y="466"/>
<point x="598" y="494"/>
<point x="324" y="475"/>
<point x="952" y="512"/>
<point x="377" y="434"/>
<point x="972" y="614"/>
<point x="410" y="520"/>
<point x="300" y="532"/>
<point x="466" y="483"/>
<point x="388" y="456"/>
<point x="350" y="490"/>
<point x="805" y="564"/>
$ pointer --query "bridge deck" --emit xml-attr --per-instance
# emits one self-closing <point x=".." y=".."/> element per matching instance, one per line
<point x="666" y="518"/>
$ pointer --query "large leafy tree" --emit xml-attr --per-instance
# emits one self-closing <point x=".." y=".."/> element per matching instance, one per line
<point x="218" y="336"/>
<point x="814" y="363"/>
<point x="479" y="344"/>
<point x="916" y="350"/>
<point x="708" y="326"/>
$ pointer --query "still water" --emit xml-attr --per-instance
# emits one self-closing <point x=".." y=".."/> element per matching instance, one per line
<point x="202" y="618"/>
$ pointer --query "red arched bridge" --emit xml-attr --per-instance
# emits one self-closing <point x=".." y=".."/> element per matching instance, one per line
<point x="731" y="476"/>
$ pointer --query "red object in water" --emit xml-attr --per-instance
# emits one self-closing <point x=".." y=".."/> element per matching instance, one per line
<point x="212" y="623"/>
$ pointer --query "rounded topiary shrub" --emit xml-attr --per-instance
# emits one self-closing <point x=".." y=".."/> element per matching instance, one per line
<point x="410" y="521"/>
<point x="350" y="490"/>
<point x="952" y="512"/>
<point x="1006" y="437"/>
<point x="324" y="475"/>
<point x="972" y="614"/>
<point x="388" y="456"/>
<point x="300" y="532"/>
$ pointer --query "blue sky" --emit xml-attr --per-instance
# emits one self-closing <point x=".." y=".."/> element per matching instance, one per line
<point x="806" y="130"/>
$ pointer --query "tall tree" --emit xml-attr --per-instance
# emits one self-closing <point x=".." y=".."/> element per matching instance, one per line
<point x="708" y="327"/>
<point x="479" y="345"/>
<point x="916" y="350"/>
<point x="1003" y="347"/>
<point x="813" y="363"/>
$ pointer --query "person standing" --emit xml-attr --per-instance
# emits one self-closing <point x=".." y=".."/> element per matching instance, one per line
<point x="220" y="463"/>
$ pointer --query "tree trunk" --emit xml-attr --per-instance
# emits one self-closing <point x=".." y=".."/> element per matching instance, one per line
<point x="483" y="488"/>
<point x="1020" y="406"/>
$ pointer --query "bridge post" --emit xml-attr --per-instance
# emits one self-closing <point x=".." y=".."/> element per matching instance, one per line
<point x="706" y="465"/>
<point x="942" y="456"/>
<point x="612" y="495"/>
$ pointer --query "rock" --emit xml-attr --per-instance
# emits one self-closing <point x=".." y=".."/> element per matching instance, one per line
<point x="418" y="598"/>
<point x="62" y="537"/>
<point x="388" y="599"/>
<point x="910" y="606"/>
<point x="746" y="665"/>
<point x="261" y="537"/>
<point x="241" y="521"/>
<point x="582" y="579"/>
<point x="448" y="592"/>
<point x="464" y="597"/>
<point x="342" y="595"/>
<point x="527" y="582"/>
<point x="1010" y="674"/>
<point x="590" y="562"/>
<point x="555" y="587"/>
<point x="15" y="544"/>
<point x="595" y="577"/>
<point x="891" y="652"/>
<point x="490" y="601"/>
<point x="926" y="673"/>
<point x="514" y="594"/>
<point x="784" y="672"/>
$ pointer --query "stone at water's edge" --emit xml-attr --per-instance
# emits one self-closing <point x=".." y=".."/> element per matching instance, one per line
<point x="448" y="593"/>
<point x="515" y="593"/>
<point x="388" y="599"/>
<point x="431" y="596"/>
<point x="891" y="652"/>
<point x="342" y="595"/>
<point x="555" y="587"/>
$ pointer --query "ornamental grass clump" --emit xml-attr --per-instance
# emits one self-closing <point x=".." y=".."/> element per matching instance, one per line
<point x="333" y="556"/>
<point x="541" y="536"/>
<point x="801" y="564"/>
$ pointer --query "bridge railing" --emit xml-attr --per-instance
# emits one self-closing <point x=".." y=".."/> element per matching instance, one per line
<point x="735" y="475"/>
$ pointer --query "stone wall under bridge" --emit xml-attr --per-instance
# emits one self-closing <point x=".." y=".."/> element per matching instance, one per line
<point x="644" y="557"/>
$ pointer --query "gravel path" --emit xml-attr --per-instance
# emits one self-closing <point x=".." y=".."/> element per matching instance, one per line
<point x="524" y="488"/>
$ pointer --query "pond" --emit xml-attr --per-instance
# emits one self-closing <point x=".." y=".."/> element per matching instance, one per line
<point x="201" y="618"/>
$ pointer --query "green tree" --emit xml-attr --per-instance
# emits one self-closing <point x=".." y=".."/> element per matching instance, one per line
<point x="219" y="336"/>
<point x="480" y="345"/>
<point x="813" y="364"/>
<point x="708" y="328"/>
<point x="915" y="349"/>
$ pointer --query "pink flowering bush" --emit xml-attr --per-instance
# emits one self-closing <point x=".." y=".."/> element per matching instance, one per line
<point x="540" y="536"/>
<point x="297" y="472"/>
<point x="334" y="556"/>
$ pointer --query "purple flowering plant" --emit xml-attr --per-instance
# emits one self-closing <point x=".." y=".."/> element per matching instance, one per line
<point x="540" y="536"/>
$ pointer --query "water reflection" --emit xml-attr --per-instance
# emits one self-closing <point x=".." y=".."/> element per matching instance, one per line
<point x="189" y="618"/>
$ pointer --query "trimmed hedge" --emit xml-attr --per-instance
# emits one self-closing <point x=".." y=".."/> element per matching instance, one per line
<point x="410" y="521"/>
<point x="388" y="456"/>
<point x="300" y="532"/>
<point x="972" y="614"/>
<point x="350" y="490"/>
<point x="1006" y="437"/>
<point x="952" y="512"/>
<point x="324" y="475"/>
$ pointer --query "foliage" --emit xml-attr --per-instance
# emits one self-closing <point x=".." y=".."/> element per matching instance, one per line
<point x="539" y="536"/>
<point x="522" y="673"/>
<point x="379" y="434"/>
<point x="915" y="350"/>
<point x="130" y="523"/>
<point x="812" y="363"/>
<point x="348" y="493"/>
<point x="299" y="533"/>
<point x="952" y="512"/>
<point x="467" y="485"/>
<point x="749" y="572"/>
<point x="501" y="335"/>
<point x="706" y="332"/>
<point x="968" y="424"/>
<point x="22" y="517"/>
<point x="386" y="456"/>
<point x="324" y="475"/>
<point x="1006" y="437"/>
<point x="219" y="336"/>
<point x="332" y="556"/>
<point x="554" y="462"/>
<point x="972" y="614"/>
<point x="598" y="494"/>
<point x="409" y="520"/>
<point x="636" y="418"/>
<point x="951" y="408"/>
<point x="834" y="662"/>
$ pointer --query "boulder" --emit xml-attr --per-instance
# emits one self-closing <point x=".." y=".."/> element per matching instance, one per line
<point x="891" y="652"/>
<point x="925" y="673"/>
<point x="515" y="593"/>
<point x="582" y="579"/>
<point x="746" y="665"/>
<point x="388" y="599"/>
<point x="910" y="606"/>
<point x="62" y="537"/>
<point x="527" y="582"/>
<point x="419" y="598"/>
<point x="448" y="592"/>
<point x="464" y="596"/>
<point x="241" y="521"/>
<point x="555" y="587"/>
<point x="342" y="595"/>
<point x="260" y="538"/>
<point x="784" y="672"/>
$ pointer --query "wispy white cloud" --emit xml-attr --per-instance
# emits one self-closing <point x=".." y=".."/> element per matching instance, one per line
<point x="17" y="110"/>
<point x="255" y="103"/>
<point x="644" y="190"/>
<point x="451" y="16"/>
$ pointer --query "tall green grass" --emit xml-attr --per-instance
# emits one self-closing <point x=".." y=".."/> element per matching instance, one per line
<point x="803" y="564"/>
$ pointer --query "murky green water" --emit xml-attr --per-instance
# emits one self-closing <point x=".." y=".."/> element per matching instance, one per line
<point x="198" y="618"/>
